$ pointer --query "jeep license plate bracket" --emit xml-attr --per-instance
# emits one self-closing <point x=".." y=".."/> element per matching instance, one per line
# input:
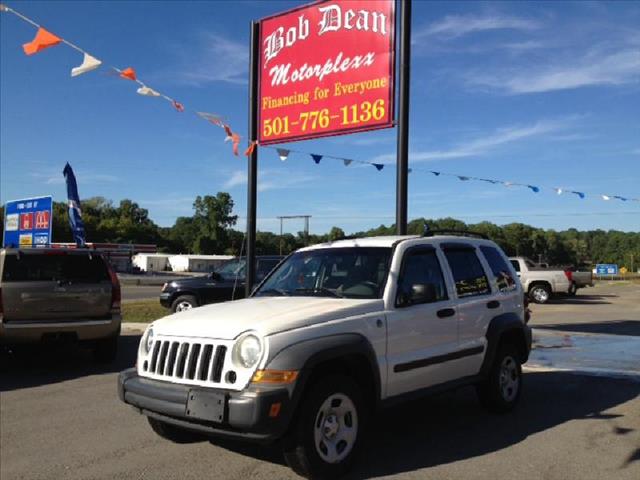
<point x="206" y="405"/>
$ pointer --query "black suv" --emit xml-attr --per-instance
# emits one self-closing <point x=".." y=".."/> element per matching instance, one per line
<point x="226" y="283"/>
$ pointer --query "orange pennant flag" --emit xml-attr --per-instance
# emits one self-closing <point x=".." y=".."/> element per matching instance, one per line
<point x="129" y="74"/>
<point x="178" y="106"/>
<point x="42" y="40"/>
<point x="235" y="139"/>
<point x="249" y="151"/>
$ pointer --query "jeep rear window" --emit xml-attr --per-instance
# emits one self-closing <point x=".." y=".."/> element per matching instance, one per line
<point x="499" y="268"/>
<point x="355" y="272"/>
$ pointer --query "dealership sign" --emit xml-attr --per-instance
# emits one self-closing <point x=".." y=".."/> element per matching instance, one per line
<point x="27" y="223"/>
<point x="326" y="69"/>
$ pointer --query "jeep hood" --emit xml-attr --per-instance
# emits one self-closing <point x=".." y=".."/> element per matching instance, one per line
<point x="265" y="315"/>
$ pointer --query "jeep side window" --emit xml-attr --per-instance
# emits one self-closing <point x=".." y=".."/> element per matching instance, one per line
<point x="499" y="268"/>
<point x="516" y="265"/>
<point x="467" y="272"/>
<point x="421" y="280"/>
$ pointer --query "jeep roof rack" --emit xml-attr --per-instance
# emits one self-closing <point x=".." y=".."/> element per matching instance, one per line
<point x="461" y="233"/>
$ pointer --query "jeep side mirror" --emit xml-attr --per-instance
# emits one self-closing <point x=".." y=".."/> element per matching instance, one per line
<point x="423" y="293"/>
<point x="419" y="293"/>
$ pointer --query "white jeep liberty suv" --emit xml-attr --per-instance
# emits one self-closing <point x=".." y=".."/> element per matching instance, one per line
<point x="333" y="334"/>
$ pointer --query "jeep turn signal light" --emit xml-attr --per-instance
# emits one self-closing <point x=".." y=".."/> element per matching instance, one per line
<point x="274" y="376"/>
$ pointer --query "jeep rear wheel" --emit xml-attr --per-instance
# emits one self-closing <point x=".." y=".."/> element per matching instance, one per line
<point x="174" y="434"/>
<point x="329" y="431"/>
<point x="500" y="391"/>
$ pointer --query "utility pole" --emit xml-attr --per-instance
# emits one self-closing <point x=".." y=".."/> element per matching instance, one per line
<point x="402" y="165"/>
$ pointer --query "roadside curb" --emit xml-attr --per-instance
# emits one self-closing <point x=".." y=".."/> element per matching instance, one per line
<point x="134" y="327"/>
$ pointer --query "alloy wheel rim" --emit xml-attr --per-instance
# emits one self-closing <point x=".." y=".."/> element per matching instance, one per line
<point x="509" y="379"/>
<point x="335" y="428"/>
<point x="182" y="306"/>
<point x="540" y="294"/>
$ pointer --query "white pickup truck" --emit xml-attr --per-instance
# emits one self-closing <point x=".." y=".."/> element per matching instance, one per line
<point x="541" y="282"/>
<point x="334" y="333"/>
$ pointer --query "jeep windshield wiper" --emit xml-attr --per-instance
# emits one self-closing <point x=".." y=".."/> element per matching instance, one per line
<point x="324" y="290"/>
<point x="272" y="291"/>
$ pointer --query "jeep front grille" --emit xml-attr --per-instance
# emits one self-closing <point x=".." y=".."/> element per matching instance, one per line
<point x="190" y="361"/>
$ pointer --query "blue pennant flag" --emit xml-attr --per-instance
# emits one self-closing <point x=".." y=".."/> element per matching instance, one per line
<point x="75" y="212"/>
<point x="620" y="198"/>
<point x="580" y="194"/>
<point x="534" y="188"/>
<point x="316" y="158"/>
<point x="379" y="166"/>
<point x="463" y="178"/>
<point x="435" y="173"/>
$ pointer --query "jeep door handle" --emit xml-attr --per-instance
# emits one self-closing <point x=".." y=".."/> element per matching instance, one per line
<point x="446" y="312"/>
<point x="493" y="304"/>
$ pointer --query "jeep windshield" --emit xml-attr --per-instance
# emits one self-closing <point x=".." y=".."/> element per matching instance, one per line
<point x="353" y="272"/>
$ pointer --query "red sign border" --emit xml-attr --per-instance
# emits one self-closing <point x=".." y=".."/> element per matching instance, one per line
<point x="311" y="136"/>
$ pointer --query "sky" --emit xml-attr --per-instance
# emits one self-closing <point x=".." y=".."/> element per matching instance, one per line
<point x="541" y="93"/>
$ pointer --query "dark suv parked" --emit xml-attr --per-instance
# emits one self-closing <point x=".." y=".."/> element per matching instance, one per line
<point x="226" y="283"/>
<point x="51" y="293"/>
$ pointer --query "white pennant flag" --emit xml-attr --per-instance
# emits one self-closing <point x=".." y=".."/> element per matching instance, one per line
<point x="89" y="63"/>
<point x="148" y="92"/>
<point x="606" y="197"/>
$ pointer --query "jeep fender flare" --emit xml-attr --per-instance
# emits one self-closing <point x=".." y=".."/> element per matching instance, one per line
<point x="502" y="326"/>
<point x="306" y="355"/>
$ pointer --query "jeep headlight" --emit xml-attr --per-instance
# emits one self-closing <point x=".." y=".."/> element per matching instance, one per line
<point x="247" y="351"/>
<point x="147" y="340"/>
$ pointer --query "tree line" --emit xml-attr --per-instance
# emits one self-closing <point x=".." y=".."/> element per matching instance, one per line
<point x="209" y="230"/>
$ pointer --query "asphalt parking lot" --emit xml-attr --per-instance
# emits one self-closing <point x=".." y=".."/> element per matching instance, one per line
<point x="60" y="418"/>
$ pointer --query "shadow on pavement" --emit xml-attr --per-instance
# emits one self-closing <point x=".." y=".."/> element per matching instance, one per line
<point x="453" y="427"/>
<point x="581" y="300"/>
<point x="611" y="327"/>
<point x="35" y="365"/>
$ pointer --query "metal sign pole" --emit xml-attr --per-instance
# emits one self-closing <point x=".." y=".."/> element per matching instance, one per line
<point x="402" y="168"/>
<point x="252" y="187"/>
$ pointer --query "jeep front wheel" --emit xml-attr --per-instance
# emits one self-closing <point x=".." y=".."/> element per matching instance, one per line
<point x="500" y="391"/>
<point x="329" y="429"/>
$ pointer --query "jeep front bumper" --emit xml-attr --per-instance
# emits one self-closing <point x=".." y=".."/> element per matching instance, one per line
<point x="253" y="414"/>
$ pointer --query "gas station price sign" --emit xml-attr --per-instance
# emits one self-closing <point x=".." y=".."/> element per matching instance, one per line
<point x="326" y="69"/>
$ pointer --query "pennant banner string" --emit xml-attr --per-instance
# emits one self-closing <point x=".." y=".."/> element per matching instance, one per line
<point x="45" y="39"/>
<point x="284" y="154"/>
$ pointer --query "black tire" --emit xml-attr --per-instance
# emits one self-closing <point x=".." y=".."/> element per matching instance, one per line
<point x="183" y="300"/>
<point x="106" y="350"/>
<point x="497" y="393"/>
<point x="540" y="293"/>
<point x="299" y="447"/>
<point x="174" y="434"/>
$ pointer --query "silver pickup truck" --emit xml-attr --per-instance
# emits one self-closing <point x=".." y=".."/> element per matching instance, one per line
<point x="542" y="282"/>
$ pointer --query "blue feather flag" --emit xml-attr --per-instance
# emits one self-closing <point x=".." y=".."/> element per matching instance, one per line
<point x="75" y="212"/>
